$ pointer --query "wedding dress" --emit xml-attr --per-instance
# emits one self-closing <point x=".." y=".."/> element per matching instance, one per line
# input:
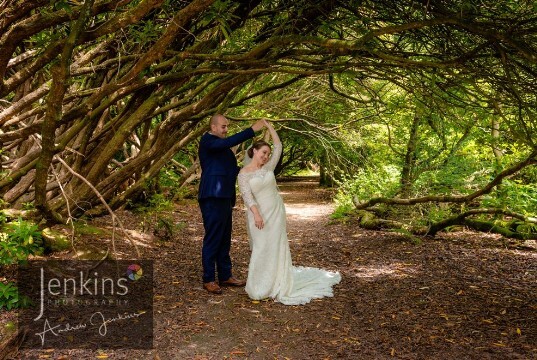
<point x="271" y="273"/>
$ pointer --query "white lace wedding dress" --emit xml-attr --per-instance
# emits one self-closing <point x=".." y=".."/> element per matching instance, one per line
<point x="271" y="273"/>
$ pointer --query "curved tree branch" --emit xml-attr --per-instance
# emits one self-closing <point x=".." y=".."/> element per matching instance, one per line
<point x="460" y="219"/>
<point x="530" y="160"/>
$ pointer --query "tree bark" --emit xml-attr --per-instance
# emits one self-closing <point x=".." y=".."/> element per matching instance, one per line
<point x="461" y="219"/>
<point x="409" y="163"/>
<point x="60" y="78"/>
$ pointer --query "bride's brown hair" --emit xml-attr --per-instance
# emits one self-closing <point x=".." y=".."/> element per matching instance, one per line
<point x="257" y="145"/>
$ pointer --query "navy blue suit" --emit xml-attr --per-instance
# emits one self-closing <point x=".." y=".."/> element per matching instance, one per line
<point x="216" y="198"/>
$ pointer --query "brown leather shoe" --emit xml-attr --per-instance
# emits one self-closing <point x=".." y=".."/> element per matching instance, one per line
<point x="212" y="287"/>
<point x="233" y="282"/>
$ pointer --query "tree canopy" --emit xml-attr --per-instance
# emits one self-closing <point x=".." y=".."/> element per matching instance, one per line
<point x="98" y="96"/>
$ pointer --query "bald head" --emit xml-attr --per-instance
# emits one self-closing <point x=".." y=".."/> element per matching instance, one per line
<point x="216" y="117"/>
<point x="219" y="125"/>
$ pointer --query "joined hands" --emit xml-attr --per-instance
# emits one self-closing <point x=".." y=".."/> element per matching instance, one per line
<point x="260" y="124"/>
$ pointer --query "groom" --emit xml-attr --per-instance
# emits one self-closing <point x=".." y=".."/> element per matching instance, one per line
<point x="216" y="199"/>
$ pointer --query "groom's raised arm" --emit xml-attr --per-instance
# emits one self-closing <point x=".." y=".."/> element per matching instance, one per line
<point x="216" y="143"/>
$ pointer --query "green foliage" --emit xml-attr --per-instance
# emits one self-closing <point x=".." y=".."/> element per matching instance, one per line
<point x="390" y="101"/>
<point x="342" y="212"/>
<point x="82" y="228"/>
<point x="460" y="175"/>
<point x="434" y="212"/>
<point x="437" y="145"/>
<point x="525" y="228"/>
<point x="168" y="183"/>
<point x="165" y="227"/>
<point x="143" y="35"/>
<point x="28" y="206"/>
<point x="62" y="5"/>
<point x="156" y="217"/>
<point x="19" y="240"/>
<point x="408" y="235"/>
<point x="159" y="203"/>
<point x="155" y="205"/>
<point x="168" y="178"/>
<point x="9" y="297"/>
<point x="24" y="232"/>
<point x="368" y="183"/>
<point x="515" y="196"/>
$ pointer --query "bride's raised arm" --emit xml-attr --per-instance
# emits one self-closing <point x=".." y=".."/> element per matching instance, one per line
<point x="273" y="134"/>
<point x="277" y="151"/>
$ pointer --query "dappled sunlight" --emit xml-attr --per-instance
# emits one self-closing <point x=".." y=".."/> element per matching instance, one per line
<point x="139" y="238"/>
<point x="395" y="270"/>
<point x="525" y="253"/>
<point x="492" y="254"/>
<point x="307" y="212"/>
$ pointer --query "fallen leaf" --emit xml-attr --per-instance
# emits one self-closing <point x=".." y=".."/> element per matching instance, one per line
<point x="237" y="352"/>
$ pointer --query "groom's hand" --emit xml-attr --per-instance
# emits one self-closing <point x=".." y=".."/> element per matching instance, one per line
<point x="258" y="125"/>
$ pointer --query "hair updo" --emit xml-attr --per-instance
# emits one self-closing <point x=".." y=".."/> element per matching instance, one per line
<point x="257" y="145"/>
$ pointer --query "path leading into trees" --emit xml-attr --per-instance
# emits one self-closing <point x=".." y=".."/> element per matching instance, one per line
<point x="460" y="296"/>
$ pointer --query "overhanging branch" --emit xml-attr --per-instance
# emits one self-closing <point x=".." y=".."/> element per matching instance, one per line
<point x="530" y="160"/>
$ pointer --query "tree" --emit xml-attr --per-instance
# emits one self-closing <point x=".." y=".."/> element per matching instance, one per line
<point x="112" y="90"/>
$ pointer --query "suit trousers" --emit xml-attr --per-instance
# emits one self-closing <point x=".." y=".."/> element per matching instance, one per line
<point x="217" y="221"/>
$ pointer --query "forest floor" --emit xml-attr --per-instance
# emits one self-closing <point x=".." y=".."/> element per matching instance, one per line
<point x="461" y="295"/>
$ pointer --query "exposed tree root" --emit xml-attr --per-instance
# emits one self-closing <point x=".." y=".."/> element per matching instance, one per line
<point x="368" y="220"/>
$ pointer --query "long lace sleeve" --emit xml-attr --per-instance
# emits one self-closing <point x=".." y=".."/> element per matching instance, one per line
<point x="276" y="153"/>
<point x="246" y="191"/>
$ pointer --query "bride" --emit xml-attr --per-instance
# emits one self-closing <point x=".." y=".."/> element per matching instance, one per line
<point x="271" y="273"/>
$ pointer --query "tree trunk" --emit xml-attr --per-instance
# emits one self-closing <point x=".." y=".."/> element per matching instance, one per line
<point x="409" y="164"/>
<point x="495" y="139"/>
<point x="60" y="78"/>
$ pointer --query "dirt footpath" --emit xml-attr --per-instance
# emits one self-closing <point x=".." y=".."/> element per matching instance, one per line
<point x="460" y="296"/>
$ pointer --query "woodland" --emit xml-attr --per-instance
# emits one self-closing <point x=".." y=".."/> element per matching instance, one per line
<point x="427" y="104"/>
<point x="419" y="116"/>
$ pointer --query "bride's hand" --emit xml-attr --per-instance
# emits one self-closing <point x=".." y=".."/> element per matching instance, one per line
<point x="259" y="222"/>
<point x="268" y="125"/>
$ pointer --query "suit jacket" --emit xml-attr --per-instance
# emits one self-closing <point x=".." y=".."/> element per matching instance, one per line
<point x="219" y="168"/>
